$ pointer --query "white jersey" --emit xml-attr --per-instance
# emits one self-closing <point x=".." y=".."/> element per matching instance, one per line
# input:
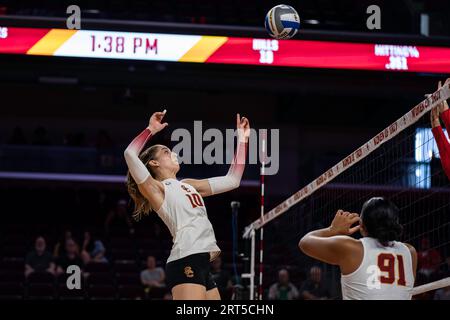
<point x="184" y="213"/>
<point x="385" y="273"/>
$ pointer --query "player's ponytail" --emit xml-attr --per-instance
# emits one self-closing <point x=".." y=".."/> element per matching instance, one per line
<point x="380" y="219"/>
<point x="141" y="204"/>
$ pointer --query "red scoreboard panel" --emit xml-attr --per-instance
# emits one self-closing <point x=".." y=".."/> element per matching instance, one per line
<point x="224" y="50"/>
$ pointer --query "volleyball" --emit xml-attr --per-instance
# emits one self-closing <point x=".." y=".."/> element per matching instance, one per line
<point x="282" y="22"/>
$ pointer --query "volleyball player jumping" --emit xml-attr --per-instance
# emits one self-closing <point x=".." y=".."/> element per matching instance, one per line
<point x="153" y="185"/>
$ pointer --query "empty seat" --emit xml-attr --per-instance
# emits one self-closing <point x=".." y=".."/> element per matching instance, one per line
<point x="97" y="267"/>
<point x="16" y="276"/>
<point x="11" y="291"/>
<point x="75" y="294"/>
<point x="121" y="243"/>
<point x="101" y="292"/>
<point x="100" y="278"/>
<point x="125" y="267"/>
<point x="121" y="255"/>
<point x="128" y="278"/>
<point x="155" y="293"/>
<point x="9" y="263"/>
<point x="40" y="291"/>
<point x="40" y="277"/>
<point x="14" y="251"/>
<point x="130" y="292"/>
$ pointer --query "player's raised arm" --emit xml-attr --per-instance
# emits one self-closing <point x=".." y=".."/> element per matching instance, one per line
<point x="441" y="141"/>
<point x="148" y="186"/>
<point x="444" y="110"/>
<point x="332" y="244"/>
<point x="232" y="180"/>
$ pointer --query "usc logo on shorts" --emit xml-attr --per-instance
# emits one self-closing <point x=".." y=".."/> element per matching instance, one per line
<point x="188" y="272"/>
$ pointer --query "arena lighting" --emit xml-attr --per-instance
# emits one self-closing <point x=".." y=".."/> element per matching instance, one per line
<point x="79" y="177"/>
<point x="58" y="80"/>
<point x="311" y="21"/>
<point x="224" y="50"/>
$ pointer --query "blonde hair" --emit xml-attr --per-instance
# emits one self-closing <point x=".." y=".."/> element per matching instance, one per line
<point x="141" y="204"/>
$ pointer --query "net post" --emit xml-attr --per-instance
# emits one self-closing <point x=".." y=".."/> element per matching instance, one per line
<point x="251" y="233"/>
<point x="252" y="266"/>
<point x="261" y="239"/>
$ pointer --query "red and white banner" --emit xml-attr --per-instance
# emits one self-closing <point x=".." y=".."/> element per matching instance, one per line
<point x="224" y="50"/>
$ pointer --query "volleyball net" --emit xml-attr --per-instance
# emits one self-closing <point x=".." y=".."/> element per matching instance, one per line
<point x="401" y="163"/>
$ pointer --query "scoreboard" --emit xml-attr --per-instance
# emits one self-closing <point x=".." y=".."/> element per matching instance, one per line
<point x="224" y="50"/>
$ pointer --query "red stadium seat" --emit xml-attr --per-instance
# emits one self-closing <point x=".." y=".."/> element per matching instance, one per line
<point x="156" y="293"/>
<point x="100" y="278"/>
<point x="130" y="292"/>
<point x="75" y="294"/>
<point x="40" y="277"/>
<point x="40" y="291"/>
<point x="125" y="267"/>
<point x="11" y="291"/>
<point x="97" y="267"/>
<point x="16" y="276"/>
<point x="128" y="279"/>
<point x="122" y="243"/>
<point x="12" y="264"/>
<point x="124" y="254"/>
<point x="102" y="292"/>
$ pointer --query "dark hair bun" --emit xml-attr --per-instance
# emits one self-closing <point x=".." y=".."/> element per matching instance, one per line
<point x="380" y="218"/>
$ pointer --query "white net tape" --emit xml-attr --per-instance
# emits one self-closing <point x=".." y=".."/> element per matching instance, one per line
<point x="431" y="286"/>
<point x="373" y="144"/>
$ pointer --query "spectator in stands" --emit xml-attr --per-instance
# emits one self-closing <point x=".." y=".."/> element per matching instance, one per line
<point x="428" y="259"/>
<point x="153" y="276"/>
<point x="17" y="137"/>
<point x="60" y="246"/>
<point x="71" y="256"/>
<point x="314" y="288"/>
<point x="222" y="278"/>
<point x="118" y="217"/>
<point x="93" y="250"/>
<point x="39" y="259"/>
<point x="283" y="289"/>
<point x="443" y="144"/>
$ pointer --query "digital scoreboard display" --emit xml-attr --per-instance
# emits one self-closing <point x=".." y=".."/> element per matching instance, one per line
<point x="224" y="50"/>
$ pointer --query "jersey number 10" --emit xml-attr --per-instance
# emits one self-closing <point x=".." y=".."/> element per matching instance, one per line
<point x="195" y="200"/>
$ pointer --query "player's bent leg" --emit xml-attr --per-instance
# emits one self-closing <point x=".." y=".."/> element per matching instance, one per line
<point x="213" y="294"/>
<point x="189" y="291"/>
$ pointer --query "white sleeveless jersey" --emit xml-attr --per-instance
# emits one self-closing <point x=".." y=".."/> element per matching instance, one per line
<point x="184" y="213"/>
<point x="385" y="273"/>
